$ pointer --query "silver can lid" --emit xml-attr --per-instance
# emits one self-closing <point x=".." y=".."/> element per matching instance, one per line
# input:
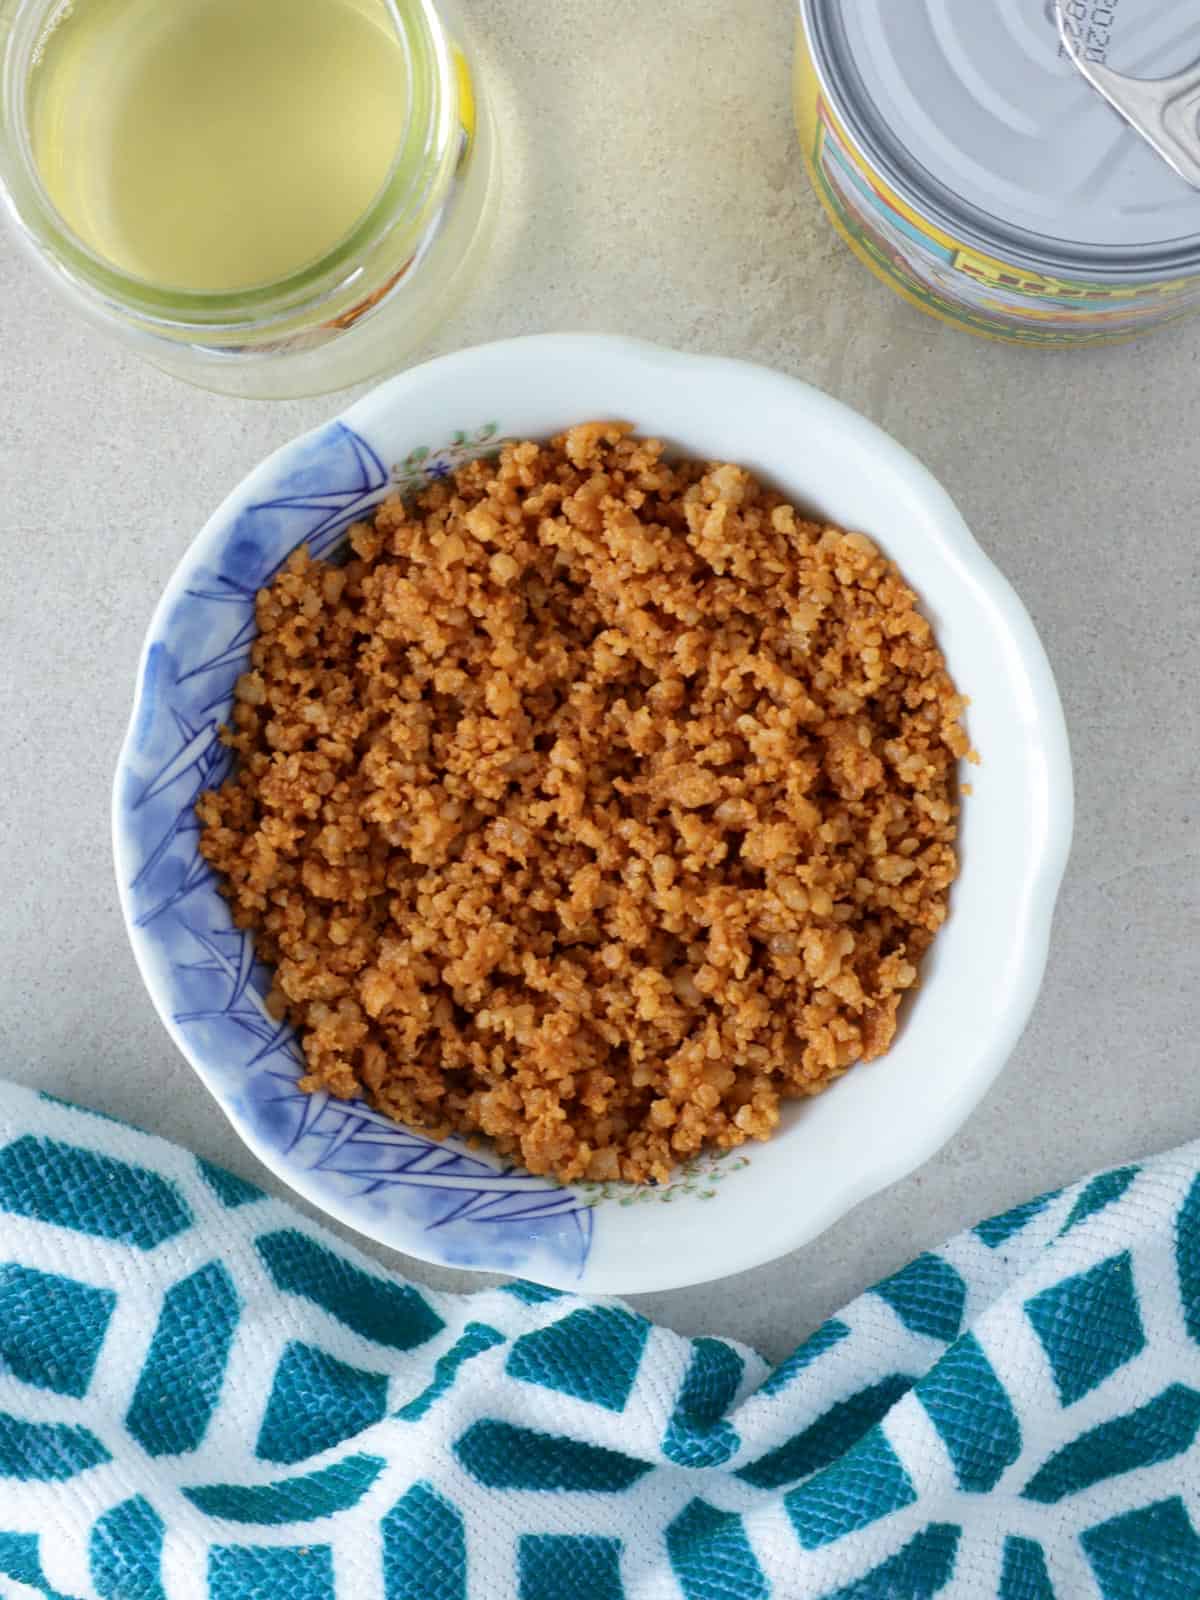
<point x="974" y="107"/>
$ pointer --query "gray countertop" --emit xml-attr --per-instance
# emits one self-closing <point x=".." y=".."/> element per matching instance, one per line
<point x="654" y="187"/>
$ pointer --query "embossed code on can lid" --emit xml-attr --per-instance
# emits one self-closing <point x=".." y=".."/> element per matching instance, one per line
<point x="974" y="105"/>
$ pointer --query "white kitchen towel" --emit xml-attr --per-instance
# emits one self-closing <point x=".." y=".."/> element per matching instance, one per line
<point x="203" y="1396"/>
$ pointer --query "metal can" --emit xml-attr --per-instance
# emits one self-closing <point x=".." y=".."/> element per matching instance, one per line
<point x="967" y="162"/>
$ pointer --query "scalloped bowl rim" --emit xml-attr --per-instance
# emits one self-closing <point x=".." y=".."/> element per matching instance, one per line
<point x="743" y="1247"/>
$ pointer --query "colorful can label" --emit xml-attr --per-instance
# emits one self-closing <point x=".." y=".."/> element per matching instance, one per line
<point x="948" y="277"/>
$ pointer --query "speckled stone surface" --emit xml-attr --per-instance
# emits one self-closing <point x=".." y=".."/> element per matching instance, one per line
<point x="654" y="187"/>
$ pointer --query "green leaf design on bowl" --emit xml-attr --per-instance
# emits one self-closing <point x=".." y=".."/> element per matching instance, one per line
<point x="697" y="1176"/>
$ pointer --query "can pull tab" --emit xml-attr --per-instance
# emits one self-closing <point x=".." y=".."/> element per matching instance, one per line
<point x="1165" y="111"/>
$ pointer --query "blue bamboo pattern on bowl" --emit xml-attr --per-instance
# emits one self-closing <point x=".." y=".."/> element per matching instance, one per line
<point x="473" y="1208"/>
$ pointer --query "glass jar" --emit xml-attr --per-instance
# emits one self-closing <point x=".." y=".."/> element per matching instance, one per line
<point x="346" y="316"/>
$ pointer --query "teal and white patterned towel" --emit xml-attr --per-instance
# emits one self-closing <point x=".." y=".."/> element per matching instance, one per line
<point x="204" y="1397"/>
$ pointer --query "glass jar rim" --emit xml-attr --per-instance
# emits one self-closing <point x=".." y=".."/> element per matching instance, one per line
<point x="401" y="208"/>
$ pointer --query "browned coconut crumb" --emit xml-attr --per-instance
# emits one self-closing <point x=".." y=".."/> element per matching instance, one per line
<point x="598" y="804"/>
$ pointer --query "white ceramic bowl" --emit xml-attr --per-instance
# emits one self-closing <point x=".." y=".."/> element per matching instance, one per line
<point x="446" y="1203"/>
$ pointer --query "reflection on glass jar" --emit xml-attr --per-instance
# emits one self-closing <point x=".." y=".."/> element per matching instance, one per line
<point x="262" y="196"/>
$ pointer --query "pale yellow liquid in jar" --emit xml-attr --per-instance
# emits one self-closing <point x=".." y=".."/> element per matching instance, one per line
<point x="217" y="144"/>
